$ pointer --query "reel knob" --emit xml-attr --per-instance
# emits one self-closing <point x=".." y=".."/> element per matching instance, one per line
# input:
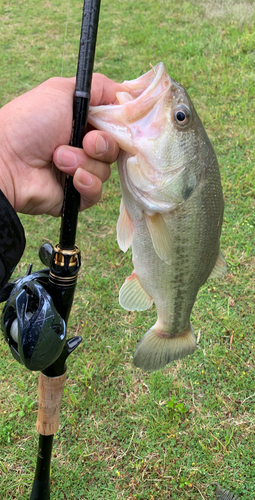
<point x="45" y="253"/>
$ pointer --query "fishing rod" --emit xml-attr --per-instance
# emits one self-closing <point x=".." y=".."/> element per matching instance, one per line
<point x="35" y="316"/>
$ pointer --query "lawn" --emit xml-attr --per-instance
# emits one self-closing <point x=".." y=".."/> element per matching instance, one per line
<point x="126" y="434"/>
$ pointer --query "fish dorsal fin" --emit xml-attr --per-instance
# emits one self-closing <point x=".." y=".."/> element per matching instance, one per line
<point x="220" y="268"/>
<point x="132" y="295"/>
<point x="160" y="236"/>
<point x="124" y="229"/>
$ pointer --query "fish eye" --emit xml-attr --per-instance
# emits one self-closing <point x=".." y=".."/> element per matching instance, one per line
<point x="182" y="116"/>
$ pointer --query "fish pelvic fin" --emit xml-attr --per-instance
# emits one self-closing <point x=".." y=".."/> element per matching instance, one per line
<point x="157" y="348"/>
<point x="220" y="268"/>
<point x="124" y="229"/>
<point x="132" y="295"/>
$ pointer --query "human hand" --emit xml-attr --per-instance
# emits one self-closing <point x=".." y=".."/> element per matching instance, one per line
<point x="35" y="129"/>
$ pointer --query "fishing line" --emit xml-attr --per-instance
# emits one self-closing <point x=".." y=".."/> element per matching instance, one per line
<point x="65" y="38"/>
<point x="57" y="172"/>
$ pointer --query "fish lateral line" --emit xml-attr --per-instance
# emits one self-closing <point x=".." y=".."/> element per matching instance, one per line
<point x="167" y="335"/>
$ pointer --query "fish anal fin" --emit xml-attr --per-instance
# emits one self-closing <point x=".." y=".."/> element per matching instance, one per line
<point x="124" y="229"/>
<point x="132" y="295"/>
<point x="220" y="268"/>
<point x="160" y="236"/>
<point x="158" y="348"/>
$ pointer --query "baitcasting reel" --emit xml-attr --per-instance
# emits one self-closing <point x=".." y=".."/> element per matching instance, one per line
<point x="32" y="326"/>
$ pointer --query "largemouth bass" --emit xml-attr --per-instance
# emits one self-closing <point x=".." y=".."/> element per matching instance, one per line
<point x="171" y="209"/>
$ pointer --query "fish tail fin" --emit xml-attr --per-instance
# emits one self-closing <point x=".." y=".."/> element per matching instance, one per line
<point x="157" y="348"/>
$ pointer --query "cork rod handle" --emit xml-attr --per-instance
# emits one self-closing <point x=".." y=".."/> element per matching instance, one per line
<point x="50" y="396"/>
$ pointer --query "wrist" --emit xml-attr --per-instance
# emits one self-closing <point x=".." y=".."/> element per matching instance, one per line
<point x="6" y="184"/>
<point x="6" y="181"/>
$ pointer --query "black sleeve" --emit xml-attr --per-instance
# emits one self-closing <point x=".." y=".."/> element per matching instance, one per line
<point x="12" y="240"/>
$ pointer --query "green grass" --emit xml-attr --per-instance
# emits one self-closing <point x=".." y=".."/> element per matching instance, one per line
<point x="125" y="434"/>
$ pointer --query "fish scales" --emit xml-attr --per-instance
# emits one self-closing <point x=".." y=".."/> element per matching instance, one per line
<point x="193" y="258"/>
<point x="171" y="211"/>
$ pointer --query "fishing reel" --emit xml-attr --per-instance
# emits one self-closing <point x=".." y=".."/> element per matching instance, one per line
<point x="32" y="326"/>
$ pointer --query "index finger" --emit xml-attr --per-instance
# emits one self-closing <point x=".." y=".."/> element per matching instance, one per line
<point x="103" y="90"/>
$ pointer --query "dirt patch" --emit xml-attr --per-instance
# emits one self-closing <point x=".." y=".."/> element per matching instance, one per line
<point x="230" y="10"/>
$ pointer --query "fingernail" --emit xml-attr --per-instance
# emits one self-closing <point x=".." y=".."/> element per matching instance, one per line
<point x="66" y="158"/>
<point x="83" y="177"/>
<point x="101" y="145"/>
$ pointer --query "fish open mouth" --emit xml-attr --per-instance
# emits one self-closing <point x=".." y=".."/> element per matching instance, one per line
<point x="147" y="84"/>
<point x="123" y="118"/>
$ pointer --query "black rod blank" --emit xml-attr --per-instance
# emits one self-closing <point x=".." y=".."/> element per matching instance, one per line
<point x="80" y="116"/>
<point x="41" y="485"/>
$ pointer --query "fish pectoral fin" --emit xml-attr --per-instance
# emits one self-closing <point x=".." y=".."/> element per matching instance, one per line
<point x="220" y="268"/>
<point x="124" y="229"/>
<point x="132" y="295"/>
<point x="160" y="236"/>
